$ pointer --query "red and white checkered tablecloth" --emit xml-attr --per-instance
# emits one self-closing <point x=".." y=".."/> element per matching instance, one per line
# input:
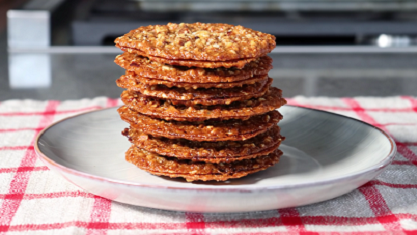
<point x="37" y="201"/>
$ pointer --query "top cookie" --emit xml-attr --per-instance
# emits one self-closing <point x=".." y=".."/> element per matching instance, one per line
<point x="197" y="42"/>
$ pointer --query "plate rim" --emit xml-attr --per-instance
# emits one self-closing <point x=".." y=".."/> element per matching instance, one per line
<point x="248" y="188"/>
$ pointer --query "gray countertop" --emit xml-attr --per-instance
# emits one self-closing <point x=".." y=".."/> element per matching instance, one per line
<point x="80" y="75"/>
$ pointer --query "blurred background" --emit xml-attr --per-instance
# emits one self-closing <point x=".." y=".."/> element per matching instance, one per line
<point x="61" y="49"/>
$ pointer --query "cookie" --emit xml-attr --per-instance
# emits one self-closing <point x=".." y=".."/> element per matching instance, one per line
<point x="210" y="130"/>
<point x="164" y="109"/>
<point x="189" y="97"/>
<point x="200" y="77"/>
<point x="198" y="42"/>
<point x="224" y="85"/>
<point x="213" y="152"/>
<point x="239" y="64"/>
<point x="192" y="170"/>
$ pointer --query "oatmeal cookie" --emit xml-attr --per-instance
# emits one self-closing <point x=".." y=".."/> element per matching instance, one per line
<point x="188" y="86"/>
<point x="211" y="96"/>
<point x="213" y="152"/>
<point x="198" y="42"/>
<point x="239" y="64"/>
<point x="204" y="77"/>
<point x="192" y="170"/>
<point x="210" y="130"/>
<point x="164" y="109"/>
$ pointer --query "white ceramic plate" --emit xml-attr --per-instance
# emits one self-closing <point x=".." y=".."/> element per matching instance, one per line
<point x="325" y="155"/>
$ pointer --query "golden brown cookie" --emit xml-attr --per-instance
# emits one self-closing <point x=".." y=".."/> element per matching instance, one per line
<point x="224" y="85"/>
<point x="188" y="86"/>
<point x="239" y="64"/>
<point x="164" y="109"/>
<point x="191" y="170"/>
<point x="198" y="42"/>
<point x="211" y="96"/>
<point x="210" y="130"/>
<point x="181" y="76"/>
<point x="213" y="152"/>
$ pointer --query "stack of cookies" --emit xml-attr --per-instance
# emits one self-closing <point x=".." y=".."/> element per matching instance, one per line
<point x="199" y="100"/>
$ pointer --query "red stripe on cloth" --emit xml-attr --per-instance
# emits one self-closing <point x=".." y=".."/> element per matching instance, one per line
<point x="17" y="148"/>
<point x="403" y="186"/>
<point x="398" y="124"/>
<point x="375" y="199"/>
<point x="407" y="153"/>
<point x="99" y="217"/>
<point x="51" y="112"/>
<point x="21" y="129"/>
<point x="407" y="143"/>
<point x="380" y="208"/>
<point x="247" y="223"/>
<point x="111" y="102"/>
<point x="21" y="178"/>
<point x="195" y="222"/>
<point x="15" y="169"/>
<point x="50" y="108"/>
<point x="47" y="195"/>
<point x="112" y="226"/>
<point x="412" y="101"/>
<point x="292" y="221"/>
<point x="402" y="147"/>
<point x="409" y="163"/>
<point x="360" y="111"/>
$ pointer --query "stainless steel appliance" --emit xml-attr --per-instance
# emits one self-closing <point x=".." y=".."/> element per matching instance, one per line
<point x="41" y="23"/>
